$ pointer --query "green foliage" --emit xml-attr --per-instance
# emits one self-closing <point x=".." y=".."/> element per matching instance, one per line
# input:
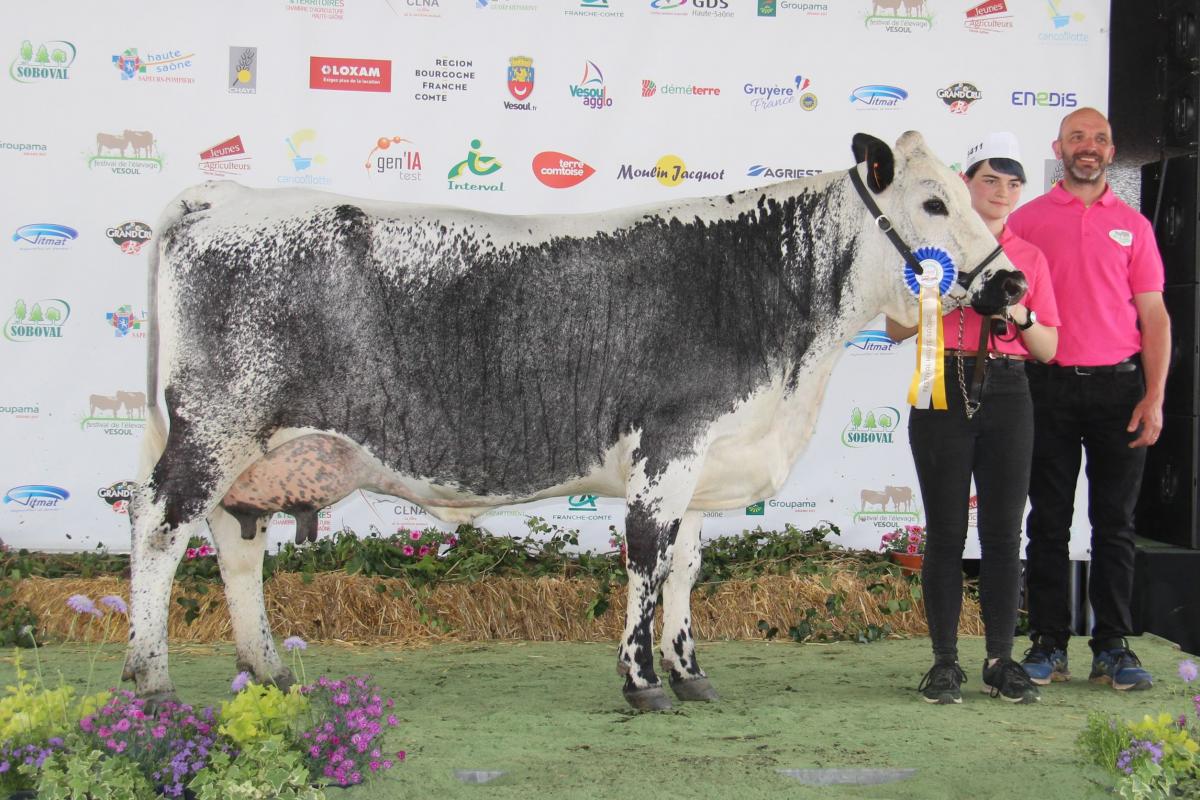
<point x="90" y="775"/>
<point x="263" y="770"/>
<point x="32" y="713"/>
<point x="261" y="713"/>
<point x="18" y="625"/>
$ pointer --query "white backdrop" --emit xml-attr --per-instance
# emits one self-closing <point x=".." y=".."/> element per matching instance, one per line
<point x="110" y="111"/>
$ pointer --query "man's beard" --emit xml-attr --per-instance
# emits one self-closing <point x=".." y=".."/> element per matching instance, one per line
<point x="1081" y="174"/>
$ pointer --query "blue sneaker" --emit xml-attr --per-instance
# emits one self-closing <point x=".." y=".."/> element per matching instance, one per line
<point x="1121" y="669"/>
<point x="1045" y="663"/>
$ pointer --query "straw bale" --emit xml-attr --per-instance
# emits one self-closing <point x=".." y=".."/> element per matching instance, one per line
<point x="353" y="608"/>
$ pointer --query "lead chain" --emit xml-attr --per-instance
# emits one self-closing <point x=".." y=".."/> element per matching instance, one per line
<point x="969" y="407"/>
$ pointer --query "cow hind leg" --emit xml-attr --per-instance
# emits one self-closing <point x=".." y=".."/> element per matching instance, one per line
<point x="241" y="559"/>
<point x="649" y="560"/>
<point x="687" y="680"/>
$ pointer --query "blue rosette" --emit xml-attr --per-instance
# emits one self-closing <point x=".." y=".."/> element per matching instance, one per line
<point x="939" y="271"/>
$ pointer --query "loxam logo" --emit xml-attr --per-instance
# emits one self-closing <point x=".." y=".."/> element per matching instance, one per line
<point x="870" y="427"/>
<point x="34" y="496"/>
<point x="871" y="340"/>
<point x="44" y="236"/>
<point x="1026" y="98"/>
<point x="349" y="74"/>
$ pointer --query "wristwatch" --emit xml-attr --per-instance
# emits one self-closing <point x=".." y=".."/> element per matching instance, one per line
<point x="1029" y="321"/>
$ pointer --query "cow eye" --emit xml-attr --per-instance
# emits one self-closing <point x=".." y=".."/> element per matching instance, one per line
<point x="937" y="207"/>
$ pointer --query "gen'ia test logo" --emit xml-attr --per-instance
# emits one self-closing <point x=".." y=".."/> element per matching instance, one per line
<point x="394" y="156"/>
<point x="39" y="319"/>
<point x="45" y="61"/>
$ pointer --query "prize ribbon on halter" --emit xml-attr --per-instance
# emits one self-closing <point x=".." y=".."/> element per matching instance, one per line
<point x="929" y="378"/>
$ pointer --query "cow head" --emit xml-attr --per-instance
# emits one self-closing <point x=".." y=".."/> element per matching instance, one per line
<point x="927" y="205"/>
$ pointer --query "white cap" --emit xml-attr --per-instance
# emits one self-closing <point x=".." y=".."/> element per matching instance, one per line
<point x="1001" y="144"/>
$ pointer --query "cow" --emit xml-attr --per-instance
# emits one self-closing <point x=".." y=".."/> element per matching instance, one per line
<point x="112" y="142"/>
<point x="102" y="402"/>
<point x="894" y="5"/>
<point x="899" y="496"/>
<point x="871" y="497"/>
<point x="142" y="142"/>
<point x="133" y="402"/>
<point x="674" y="356"/>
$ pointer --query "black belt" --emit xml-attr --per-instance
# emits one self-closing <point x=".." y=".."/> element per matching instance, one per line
<point x="1128" y="365"/>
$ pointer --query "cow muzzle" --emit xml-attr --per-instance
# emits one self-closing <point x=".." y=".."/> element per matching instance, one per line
<point x="1000" y="290"/>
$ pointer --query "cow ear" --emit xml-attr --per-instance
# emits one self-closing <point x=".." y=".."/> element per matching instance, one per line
<point x="881" y="163"/>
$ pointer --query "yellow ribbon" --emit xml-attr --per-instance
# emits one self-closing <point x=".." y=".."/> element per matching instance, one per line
<point x="929" y="377"/>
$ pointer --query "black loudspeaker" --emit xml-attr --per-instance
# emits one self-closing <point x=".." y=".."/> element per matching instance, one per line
<point x="1167" y="507"/>
<point x="1183" y="376"/>
<point x="1181" y="70"/>
<point x="1177" y="215"/>
<point x="1166" y="595"/>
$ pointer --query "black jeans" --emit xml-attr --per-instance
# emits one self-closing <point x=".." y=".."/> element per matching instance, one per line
<point x="995" y="447"/>
<point x="1092" y="410"/>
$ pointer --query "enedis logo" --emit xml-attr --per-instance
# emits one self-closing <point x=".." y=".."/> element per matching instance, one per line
<point x="130" y="236"/>
<point x="146" y="158"/>
<point x="874" y="426"/>
<point x="49" y="61"/>
<point x="35" y="497"/>
<point x="44" y="236"/>
<point x="591" y="89"/>
<point x="403" y="162"/>
<point x="520" y="83"/>
<point x="165" y="66"/>
<point x="669" y="171"/>
<point x="349" y="74"/>
<point x="303" y="157"/>
<point x="120" y="414"/>
<point x="476" y="164"/>
<point x="990" y="16"/>
<point x="225" y="158"/>
<point x="1023" y="97"/>
<point x="43" y="319"/>
<point x="559" y="170"/>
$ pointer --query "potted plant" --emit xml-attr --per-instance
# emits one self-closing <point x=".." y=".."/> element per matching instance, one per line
<point x="906" y="547"/>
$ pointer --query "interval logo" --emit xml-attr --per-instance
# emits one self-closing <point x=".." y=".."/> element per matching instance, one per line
<point x="44" y="236"/>
<point x="477" y="164"/>
<point x="559" y="170"/>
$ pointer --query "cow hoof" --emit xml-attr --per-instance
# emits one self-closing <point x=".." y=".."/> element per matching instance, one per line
<point x="156" y="700"/>
<point x="283" y="681"/>
<point x="650" y="699"/>
<point x="694" y="689"/>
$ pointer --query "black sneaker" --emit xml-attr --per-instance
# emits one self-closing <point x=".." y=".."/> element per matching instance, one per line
<point x="1046" y="663"/>
<point x="1009" y="680"/>
<point x="941" y="684"/>
<point x="1121" y="669"/>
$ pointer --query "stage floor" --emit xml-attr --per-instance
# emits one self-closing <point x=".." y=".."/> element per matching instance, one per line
<point x="551" y="716"/>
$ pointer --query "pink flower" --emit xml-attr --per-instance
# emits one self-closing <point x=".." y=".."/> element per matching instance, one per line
<point x="190" y="552"/>
<point x="414" y="535"/>
<point x="408" y="550"/>
<point x="453" y="540"/>
<point x="915" y="538"/>
<point x="424" y="551"/>
<point x="392" y="720"/>
<point x="913" y="550"/>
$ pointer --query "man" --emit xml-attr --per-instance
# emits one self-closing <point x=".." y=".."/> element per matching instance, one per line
<point x="1104" y="390"/>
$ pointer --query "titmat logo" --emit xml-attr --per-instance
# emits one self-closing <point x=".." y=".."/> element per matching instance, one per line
<point x="907" y="16"/>
<point x="591" y="89"/>
<point x="44" y="236"/>
<point x="876" y="95"/>
<point x="1025" y="98"/>
<point x="871" y="340"/>
<point x="120" y="414"/>
<point x="145" y="158"/>
<point x="476" y="164"/>
<point x="158" y="66"/>
<point x="130" y="236"/>
<point x="990" y="16"/>
<point x="117" y="495"/>
<point x="870" y="427"/>
<point x="302" y="155"/>
<point x="125" y="323"/>
<point x="559" y="170"/>
<point x="349" y="74"/>
<point x="889" y="507"/>
<point x="42" y="319"/>
<point x="780" y="173"/>
<point x="243" y="70"/>
<point x="35" y="497"/>
<point x="48" y="61"/>
<point x="403" y="162"/>
<point x="959" y="96"/>
<point x="225" y="158"/>
<point x="520" y="83"/>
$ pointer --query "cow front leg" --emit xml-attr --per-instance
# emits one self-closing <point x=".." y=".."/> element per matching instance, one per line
<point x="156" y="551"/>
<point x="241" y="559"/>
<point x="678" y="647"/>
<point x="649" y="543"/>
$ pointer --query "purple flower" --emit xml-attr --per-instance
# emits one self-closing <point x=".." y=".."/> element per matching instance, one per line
<point x="82" y="604"/>
<point x="294" y="643"/>
<point x="1187" y="670"/>
<point x="239" y="682"/>
<point x="115" y="603"/>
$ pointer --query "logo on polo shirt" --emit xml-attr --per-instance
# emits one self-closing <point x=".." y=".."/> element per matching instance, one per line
<point x="1123" y="238"/>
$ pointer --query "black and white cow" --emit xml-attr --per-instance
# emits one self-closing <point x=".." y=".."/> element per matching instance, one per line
<point x="674" y="356"/>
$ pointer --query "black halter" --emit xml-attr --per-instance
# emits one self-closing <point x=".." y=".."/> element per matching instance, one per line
<point x="885" y="225"/>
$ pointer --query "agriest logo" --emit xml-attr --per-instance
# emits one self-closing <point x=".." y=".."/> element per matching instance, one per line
<point x="158" y="66"/>
<point x="520" y="83"/>
<point x="959" y="96"/>
<point x="349" y="74"/>
<point x="225" y="158"/>
<point x="144" y="157"/>
<point x="44" y="236"/>
<point x="127" y="324"/>
<point x="878" y="96"/>
<point x="670" y="171"/>
<point x="243" y="70"/>
<point x="117" y="495"/>
<point x="477" y="164"/>
<point x="907" y="16"/>
<point x="559" y="170"/>
<point x="871" y="427"/>
<point x="42" y="319"/>
<point x="990" y="16"/>
<point x="591" y="89"/>
<point x="35" y="497"/>
<point x="394" y="156"/>
<point x="780" y="173"/>
<point x="48" y="61"/>
<point x="130" y="236"/>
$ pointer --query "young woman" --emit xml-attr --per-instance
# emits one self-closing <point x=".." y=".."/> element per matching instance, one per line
<point x="991" y="440"/>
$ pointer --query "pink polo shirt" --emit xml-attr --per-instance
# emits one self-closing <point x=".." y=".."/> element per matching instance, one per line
<point x="1100" y="257"/>
<point x="1039" y="298"/>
